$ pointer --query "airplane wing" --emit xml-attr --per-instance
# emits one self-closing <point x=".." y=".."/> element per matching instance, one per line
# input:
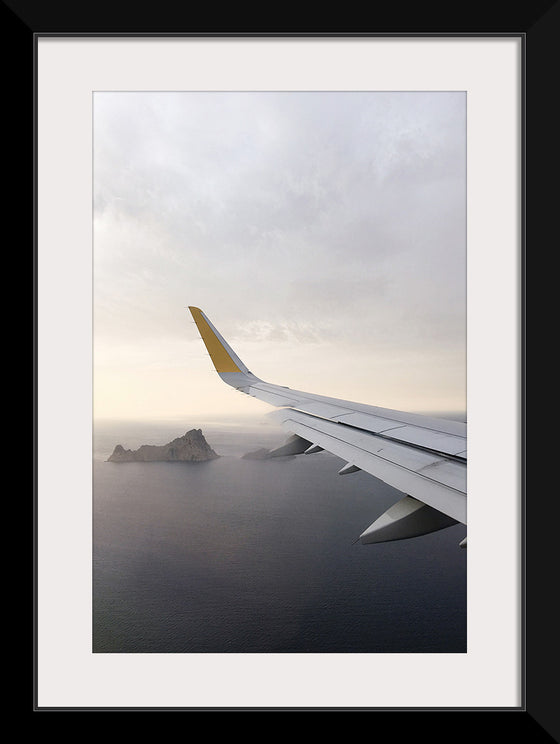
<point x="423" y="457"/>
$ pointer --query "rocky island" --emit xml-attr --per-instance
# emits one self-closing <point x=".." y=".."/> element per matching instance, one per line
<point x="191" y="447"/>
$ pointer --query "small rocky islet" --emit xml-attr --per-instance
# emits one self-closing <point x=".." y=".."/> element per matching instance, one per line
<point x="191" y="447"/>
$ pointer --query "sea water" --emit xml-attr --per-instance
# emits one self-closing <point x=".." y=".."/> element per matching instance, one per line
<point x="258" y="556"/>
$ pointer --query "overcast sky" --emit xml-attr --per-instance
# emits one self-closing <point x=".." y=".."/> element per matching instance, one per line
<point x="324" y="234"/>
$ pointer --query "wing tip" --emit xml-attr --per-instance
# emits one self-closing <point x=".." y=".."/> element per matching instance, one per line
<point x="225" y="360"/>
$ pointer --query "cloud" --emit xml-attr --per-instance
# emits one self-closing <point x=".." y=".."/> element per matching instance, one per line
<point x="293" y="218"/>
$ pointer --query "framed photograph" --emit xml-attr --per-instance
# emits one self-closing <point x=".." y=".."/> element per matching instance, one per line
<point x="317" y="197"/>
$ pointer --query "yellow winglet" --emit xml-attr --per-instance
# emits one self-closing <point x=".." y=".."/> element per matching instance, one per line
<point x="222" y="355"/>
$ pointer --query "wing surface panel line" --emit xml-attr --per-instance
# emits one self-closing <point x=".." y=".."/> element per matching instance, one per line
<point x="382" y="435"/>
<point x="386" y="459"/>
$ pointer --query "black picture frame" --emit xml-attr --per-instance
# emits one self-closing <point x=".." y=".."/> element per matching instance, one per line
<point x="537" y="24"/>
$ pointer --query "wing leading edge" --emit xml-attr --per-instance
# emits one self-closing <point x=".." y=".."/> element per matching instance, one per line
<point x="422" y="456"/>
